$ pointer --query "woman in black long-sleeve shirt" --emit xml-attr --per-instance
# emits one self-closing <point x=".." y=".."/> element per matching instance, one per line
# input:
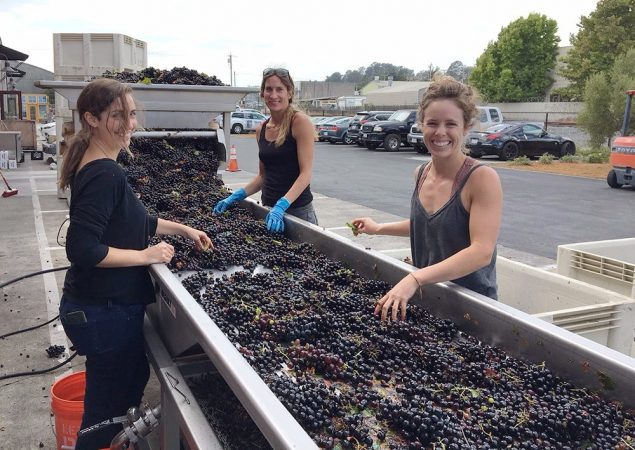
<point x="108" y="285"/>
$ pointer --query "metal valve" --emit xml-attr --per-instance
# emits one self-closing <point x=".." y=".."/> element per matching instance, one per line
<point x="140" y="422"/>
<point x="137" y="424"/>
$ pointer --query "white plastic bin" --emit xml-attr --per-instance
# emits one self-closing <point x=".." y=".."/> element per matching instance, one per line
<point x="608" y="264"/>
<point x="601" y="315"/>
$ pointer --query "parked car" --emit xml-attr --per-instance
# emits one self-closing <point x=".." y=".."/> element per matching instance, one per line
<point x="321" y="125"/>
<point x="415" y="138"/>
<point x="390" y="133"/>
<point x="317" y="120"/>
<point x="242" y="121"/>
<point x="509" y="141"/>
<point x="336" y="131"/>
<point x="248" y="110"/>
<point x="363" y="117"/>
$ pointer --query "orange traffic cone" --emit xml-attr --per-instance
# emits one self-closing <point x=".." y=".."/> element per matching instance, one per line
<point x="233" y="161"/>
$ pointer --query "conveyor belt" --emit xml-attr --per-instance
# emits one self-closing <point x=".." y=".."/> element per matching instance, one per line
<point x="183" y="324"/>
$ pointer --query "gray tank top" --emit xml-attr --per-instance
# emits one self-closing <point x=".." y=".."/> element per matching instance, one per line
<point x="436" y="237"/>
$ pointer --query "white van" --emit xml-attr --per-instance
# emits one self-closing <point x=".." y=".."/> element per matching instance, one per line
<point x="486" y="117"/>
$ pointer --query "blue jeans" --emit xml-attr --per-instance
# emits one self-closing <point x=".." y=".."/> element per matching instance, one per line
<point x="306" y="212"/>
<point x="117" y="368"/>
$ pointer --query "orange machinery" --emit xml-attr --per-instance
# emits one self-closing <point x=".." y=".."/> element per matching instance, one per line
<point x="623" y="152"/>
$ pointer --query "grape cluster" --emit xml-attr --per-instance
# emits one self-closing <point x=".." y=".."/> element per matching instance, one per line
<point x="54" y="351"/>
<point x="178" y="75"/>
<point x="306" y="326"/>
<point x="232" y="425"/>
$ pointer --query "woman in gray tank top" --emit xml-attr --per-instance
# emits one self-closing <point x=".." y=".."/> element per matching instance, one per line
<point x="456" y="206"/>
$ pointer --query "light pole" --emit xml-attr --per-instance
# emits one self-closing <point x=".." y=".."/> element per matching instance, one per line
<point x="232" y="75"/>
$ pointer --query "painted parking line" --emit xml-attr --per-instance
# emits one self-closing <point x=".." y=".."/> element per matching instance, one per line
<point x="396" y="250"/>
<point x="56" y="334"/>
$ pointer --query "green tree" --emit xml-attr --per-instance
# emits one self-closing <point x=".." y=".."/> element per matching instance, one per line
<point x="516" y="67"/>
<point x="605" y="100"/>
<point x="335" y="76"/>
<point x="363" y="75"/>
<point x="385" y="70"/>
<point x="428" y="74"/>
<point x="355" y="76"/>
<point x="606" y="33"/>
<point x="458" y="71"/>
<point x="596" y="117"/>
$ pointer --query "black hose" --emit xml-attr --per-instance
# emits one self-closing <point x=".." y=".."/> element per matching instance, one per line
<point x="59" y="230"/>
<point x="29" y="329"/>
<point x="29" y="275"/>
<point x="22" y="278"/>
<point x="38" y="372"/>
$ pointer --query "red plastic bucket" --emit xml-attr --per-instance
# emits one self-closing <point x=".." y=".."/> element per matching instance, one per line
<point x="67" y="405"/>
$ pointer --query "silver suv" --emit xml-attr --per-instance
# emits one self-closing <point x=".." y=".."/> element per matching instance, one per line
<point x="246" y="121"/>
<point x="242" y="120"/>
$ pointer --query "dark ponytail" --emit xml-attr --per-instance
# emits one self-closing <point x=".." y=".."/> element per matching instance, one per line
<point x="73" y="156"/>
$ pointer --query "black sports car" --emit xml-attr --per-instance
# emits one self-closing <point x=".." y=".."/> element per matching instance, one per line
<point x="509" y="141"/>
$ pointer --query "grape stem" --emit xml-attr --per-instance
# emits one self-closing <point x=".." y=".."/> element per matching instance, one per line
<point x="627" y="444"/>
<point x="465" y="437"/>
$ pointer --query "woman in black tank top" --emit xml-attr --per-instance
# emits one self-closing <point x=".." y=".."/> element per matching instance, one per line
<point x="285" y="143"/>
<point x="455" y="207"/>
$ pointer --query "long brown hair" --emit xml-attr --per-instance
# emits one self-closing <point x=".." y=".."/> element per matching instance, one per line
<point x="286" y="79"/>
<point x="95" y="98"/>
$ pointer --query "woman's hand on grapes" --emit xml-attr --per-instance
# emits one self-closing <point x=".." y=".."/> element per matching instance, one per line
<point x="396" y="300"/>
<point x="201" y="241"/>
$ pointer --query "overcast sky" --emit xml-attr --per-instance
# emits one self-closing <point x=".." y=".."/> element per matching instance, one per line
<point x="311" y="39"/>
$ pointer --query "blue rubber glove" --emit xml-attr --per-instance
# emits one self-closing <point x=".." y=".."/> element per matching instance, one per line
<point x="275" y="218"/>
<point x="237" y="196"/>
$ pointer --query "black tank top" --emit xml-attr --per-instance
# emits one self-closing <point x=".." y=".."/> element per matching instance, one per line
<point x="281" y="169"/>
<point x="436" y="237"/>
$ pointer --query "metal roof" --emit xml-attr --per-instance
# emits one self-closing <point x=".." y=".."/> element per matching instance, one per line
<point x="12" y="55"/>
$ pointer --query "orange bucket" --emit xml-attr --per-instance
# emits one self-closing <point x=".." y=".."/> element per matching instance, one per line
<point x="67" y="405"/>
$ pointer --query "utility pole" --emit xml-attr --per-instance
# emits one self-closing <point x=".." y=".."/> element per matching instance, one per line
<point x="232" y="75"/>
